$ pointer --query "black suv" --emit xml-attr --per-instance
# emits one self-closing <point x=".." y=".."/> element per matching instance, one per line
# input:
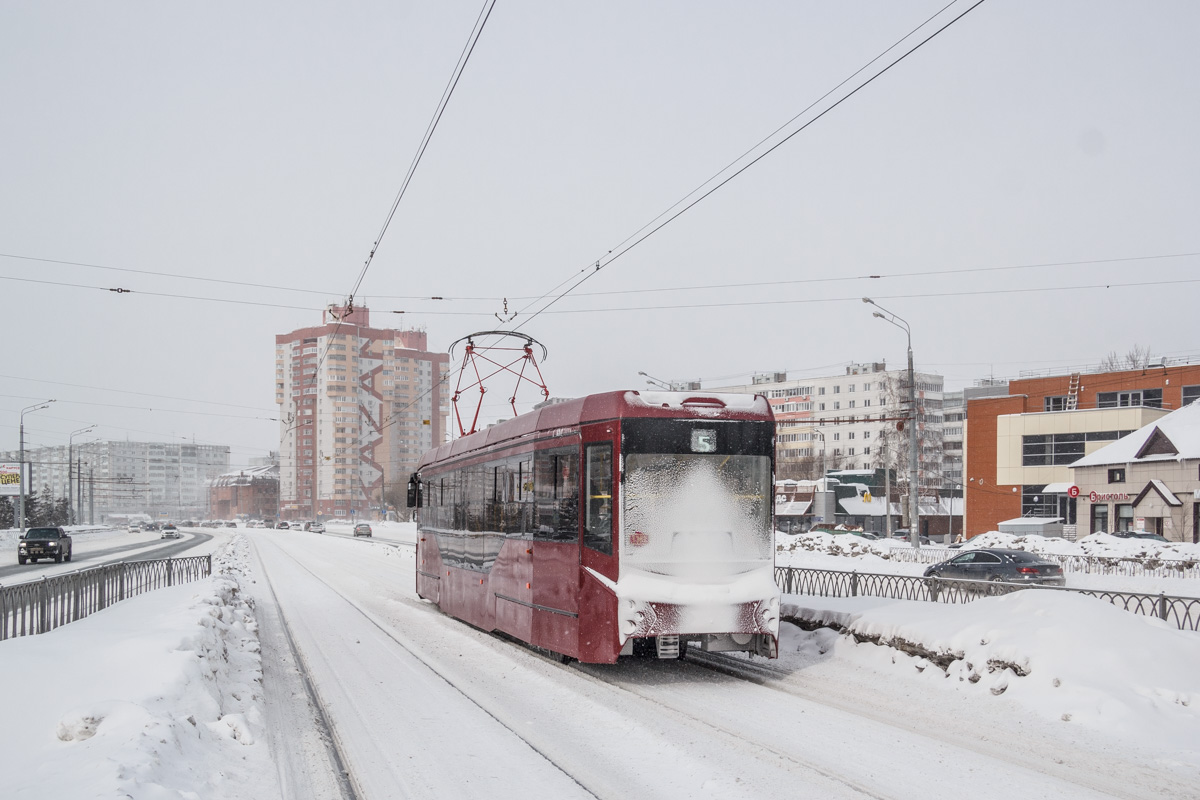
<point x="44" y="543"/>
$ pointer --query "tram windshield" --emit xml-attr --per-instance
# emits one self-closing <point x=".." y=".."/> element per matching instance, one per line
<point x="696" y="514"/>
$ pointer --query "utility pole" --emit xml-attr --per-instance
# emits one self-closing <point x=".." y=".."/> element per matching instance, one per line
<point x="70" y="472"/>
<point x="22" y="486"/>
<point x="92" y="496"/>
<point x="914" y="533"/>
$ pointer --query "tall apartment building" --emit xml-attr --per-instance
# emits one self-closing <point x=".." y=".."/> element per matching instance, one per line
<point x="163" y="479"/>
<point x="954" y="416"/>
<point x="850" y="420"/>
<point x="359" y="406"/>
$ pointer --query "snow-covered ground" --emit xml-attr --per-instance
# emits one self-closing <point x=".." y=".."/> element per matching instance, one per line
<point x="1036" y="694"/>
<point x="844" y="551"/>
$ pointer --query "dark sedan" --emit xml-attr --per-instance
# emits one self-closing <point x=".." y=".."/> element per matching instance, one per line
<point x="997" y="564"/>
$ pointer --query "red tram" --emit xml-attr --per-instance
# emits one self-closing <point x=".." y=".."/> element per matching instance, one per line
<point x="618" y="523"/>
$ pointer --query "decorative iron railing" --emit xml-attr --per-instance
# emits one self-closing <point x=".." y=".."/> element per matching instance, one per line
<point x="43" y="605"/>
<point x="1183" y="612"/>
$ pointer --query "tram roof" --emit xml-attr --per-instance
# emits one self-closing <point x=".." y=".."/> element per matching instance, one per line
<point x="570" y="414"/>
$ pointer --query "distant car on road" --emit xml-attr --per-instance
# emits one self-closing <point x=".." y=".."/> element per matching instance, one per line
<point x="296" y="525"/>
<point x="282" y="525"/>
<point x="999" y="564"/>
<point x="317" y="527"/>
<point x="135" y="527"/>
<point x="169" y="531"/>
<point x="44" y="543"/>
<point x="1154" y="537"/>
<point x="231" y="524"/>
<point x="362" y="529"/>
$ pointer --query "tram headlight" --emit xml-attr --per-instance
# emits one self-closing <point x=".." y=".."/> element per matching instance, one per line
<point x="768" y="614"/>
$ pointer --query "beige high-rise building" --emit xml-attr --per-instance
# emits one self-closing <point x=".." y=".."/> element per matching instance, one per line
<point x="358" y="407"/>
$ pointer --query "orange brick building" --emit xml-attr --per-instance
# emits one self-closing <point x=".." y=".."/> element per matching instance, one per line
<point x="1019" y="446"/>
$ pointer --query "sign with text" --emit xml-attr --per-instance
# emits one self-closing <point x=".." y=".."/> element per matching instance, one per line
<point x="10" y="479"/>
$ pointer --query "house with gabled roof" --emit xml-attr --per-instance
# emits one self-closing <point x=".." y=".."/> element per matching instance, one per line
<point x="1146" y="480"/>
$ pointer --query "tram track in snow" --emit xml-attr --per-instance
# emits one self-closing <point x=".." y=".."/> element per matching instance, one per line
<point x="657" y="701"/>
<point x="338" y="747"/>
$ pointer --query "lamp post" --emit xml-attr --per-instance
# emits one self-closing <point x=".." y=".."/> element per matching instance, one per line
<point x="22" y="488"/>
<point x="653" y="381"/>
<point x="914" y="532"/>
<point x="70" y="470"/>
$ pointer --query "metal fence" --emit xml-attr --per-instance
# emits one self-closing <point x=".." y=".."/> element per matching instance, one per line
<point x="1086" y="565"/>
<point x="43" y="605"/>
<point x="1183" y="612"/>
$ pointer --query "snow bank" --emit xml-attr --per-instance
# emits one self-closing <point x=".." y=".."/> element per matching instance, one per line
<point x="157" y="696"/>
<point x="1061" y="656"/>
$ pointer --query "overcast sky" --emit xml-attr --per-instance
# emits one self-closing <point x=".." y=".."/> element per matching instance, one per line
<point x="265" y="142"/>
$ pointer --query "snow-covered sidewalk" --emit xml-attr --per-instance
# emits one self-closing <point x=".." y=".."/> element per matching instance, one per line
<point x="157" y="696"/>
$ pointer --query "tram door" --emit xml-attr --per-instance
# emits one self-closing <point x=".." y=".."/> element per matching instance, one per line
<point x="556" y="548"/>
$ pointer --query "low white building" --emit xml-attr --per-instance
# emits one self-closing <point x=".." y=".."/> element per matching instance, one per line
<point x="1146" y="480"/>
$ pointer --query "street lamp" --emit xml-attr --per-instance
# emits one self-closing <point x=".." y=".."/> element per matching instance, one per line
<point x="21" y="468"/>
<point x="661" y="384"/>
<point x="913" y="510"/>
<point x="70" y="468"/>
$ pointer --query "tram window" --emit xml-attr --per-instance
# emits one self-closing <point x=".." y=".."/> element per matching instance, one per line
<point x="598" y="480"/>
<point x="556" y="491"/>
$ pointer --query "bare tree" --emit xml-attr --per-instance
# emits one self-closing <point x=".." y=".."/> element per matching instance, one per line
<point x="1136" y="357"/>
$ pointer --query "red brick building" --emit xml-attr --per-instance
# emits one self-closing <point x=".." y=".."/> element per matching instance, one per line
<point x="252" y="492"/>
<point x="1019" y="447"/>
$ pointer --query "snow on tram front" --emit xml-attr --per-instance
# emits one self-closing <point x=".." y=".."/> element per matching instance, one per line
<point x="615" y="524"/>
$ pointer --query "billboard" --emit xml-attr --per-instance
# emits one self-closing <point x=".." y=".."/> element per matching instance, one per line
<point x="10" y="479"/>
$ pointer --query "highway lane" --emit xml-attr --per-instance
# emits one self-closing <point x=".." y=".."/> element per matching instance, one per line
<point x="90" y="556"/>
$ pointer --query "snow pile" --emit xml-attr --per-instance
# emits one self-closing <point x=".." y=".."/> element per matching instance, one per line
<point x="1062" y="656"/>
<point x="157" y="696"/>
<point x="1097" y="544"/>
<point x="824" y="542"/>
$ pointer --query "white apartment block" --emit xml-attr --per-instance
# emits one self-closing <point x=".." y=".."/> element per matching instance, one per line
<point x="851" y="420"/>
<point x="161" y="479"/>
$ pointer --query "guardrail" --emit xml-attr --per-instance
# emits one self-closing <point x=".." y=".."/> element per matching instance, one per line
<point x="1084" y="565"/>
<point x="1183" y="612"/>
<point x="43" y="605"/>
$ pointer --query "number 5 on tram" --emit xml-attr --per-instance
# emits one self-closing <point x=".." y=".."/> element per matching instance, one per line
<point x="614" y="524"/>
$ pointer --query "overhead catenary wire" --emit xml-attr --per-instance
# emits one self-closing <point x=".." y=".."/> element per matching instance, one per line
<point x="648" y="231"/>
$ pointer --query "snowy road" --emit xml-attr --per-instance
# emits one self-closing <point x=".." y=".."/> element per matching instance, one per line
<point x="92" y="551"/>
<point x="423" y="706"/>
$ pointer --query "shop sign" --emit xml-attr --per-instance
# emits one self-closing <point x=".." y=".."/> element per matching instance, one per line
<point x="1073" y="491"/>
<point x="1097" y="497"/>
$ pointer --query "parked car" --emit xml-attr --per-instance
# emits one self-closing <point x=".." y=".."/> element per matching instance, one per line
<point x="903" y="536"/>
<point x="1154" y="537"/>
<point x="362" y="529"/>
<point x="999" y="564"/>
<point x="44" y="543"/>
<point x="296" y="525"/>
<point x="231" y="524"/>
<point x="317" y="527"/>
<point x="282" y="525"/>
<point x="169" y="531"/>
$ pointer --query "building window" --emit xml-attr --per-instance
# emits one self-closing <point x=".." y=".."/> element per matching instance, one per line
<point x="1051" y="449"/>
<point x="1190" y="394"/>
<point x="1100" y="518"/>
<point x="1058" y="403"/>
<point x="821" y="390"/>
<point x="821" y="406"/>
<point x="837" y="390"/>
<point x="1036" y="503"/>
<point x="837" y="436"/>
<point x="866" y="451"/>
<point x="1124" y="520"/>
<point x="1139" y="397"/>
<point x="1116" y="475"/>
